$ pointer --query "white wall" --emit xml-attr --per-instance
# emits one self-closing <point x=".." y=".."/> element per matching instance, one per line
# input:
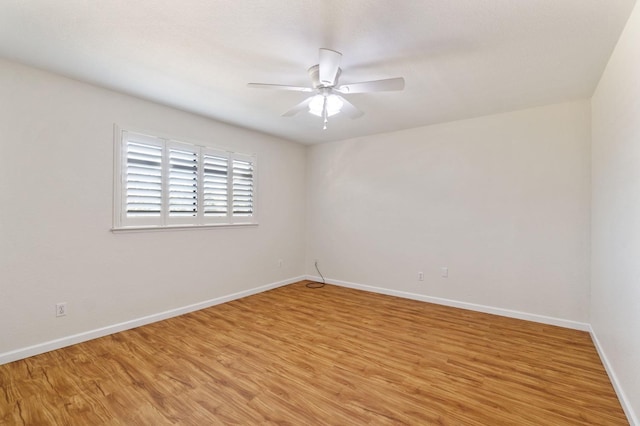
<point x="502" y="201"/>
<point x="615" y="261"/>
<point x="56" y="182"/>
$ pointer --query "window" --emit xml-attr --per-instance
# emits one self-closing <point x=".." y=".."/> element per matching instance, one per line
<point x="166" y="183"/>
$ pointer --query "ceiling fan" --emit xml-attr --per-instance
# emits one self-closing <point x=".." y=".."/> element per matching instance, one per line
<point x="327" y="100"/>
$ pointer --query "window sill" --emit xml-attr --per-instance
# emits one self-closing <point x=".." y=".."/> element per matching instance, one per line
<point x="126" y="229"/>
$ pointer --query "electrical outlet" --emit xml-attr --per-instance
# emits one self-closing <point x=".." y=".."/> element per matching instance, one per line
<point x="420" y="276"/>
<point x="61" y="309"/>
<point x="444" y="272"/>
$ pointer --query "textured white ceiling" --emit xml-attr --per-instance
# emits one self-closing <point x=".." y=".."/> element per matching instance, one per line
<point x="460" y="58"/>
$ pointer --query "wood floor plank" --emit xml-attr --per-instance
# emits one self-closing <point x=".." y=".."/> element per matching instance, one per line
<point x="332" y="355"/>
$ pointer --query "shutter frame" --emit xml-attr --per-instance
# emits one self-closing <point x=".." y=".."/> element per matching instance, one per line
<point x="155" y="178"/>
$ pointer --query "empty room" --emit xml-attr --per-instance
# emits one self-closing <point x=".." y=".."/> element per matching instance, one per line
<point x="320" y="212"/>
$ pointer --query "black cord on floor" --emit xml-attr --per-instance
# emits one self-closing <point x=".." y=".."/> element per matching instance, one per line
<point x="316" y="285"/>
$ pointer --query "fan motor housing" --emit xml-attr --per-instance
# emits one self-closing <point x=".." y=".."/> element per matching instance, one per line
<point x="314" y="73"/>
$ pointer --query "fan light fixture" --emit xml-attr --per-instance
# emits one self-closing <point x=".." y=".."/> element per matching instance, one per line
<point x="333" y="105"/>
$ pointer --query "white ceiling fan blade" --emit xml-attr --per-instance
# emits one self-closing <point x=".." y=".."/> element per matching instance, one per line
<point x="388" y="84"/>
<point x="350" y="109"/>
<point x="280" y="87"/>
<point x="304" y="105"/>
<point x="328" y="66"/>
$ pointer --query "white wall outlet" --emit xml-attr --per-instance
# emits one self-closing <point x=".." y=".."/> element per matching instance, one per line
<point x="61" y="309"/>
<point x="280" y="263"/>
<point x="420" y="276"/>
<point x="444" y="272"/>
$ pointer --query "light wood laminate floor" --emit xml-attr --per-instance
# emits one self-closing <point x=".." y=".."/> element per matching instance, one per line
<point x="299" y="356"/>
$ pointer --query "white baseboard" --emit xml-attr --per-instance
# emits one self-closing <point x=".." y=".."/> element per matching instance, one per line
<point x="462" y="305"/>
<point x="51" y="345"/>
<point x="624" y="401"/>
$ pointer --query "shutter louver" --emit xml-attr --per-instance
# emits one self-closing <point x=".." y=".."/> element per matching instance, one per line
<point x="242" y="191"/>
<point x="183" y="183"/>
<point x="143" y="180"/>
<point x="215" y="173"/>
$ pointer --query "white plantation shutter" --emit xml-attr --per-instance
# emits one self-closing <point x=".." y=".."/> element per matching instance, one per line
<point x="242" y="186"/>
<point x="183" y="181"/>
<point x="215" y="180"/>
<point x="166" y="183"/>
<point x="142" y="178"/>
